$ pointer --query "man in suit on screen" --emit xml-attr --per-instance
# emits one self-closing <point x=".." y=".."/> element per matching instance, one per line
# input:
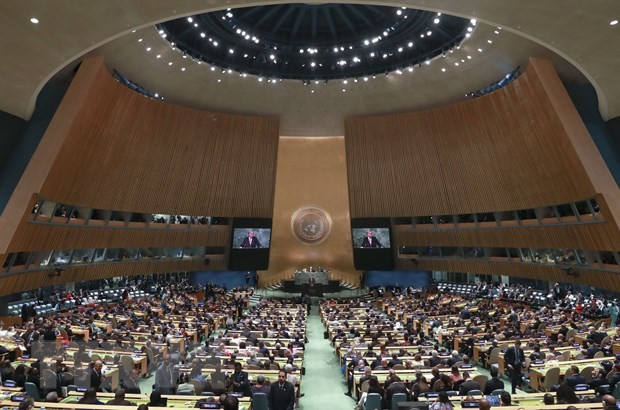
<point x="250" y="241"/>
<point x="370" y="241"/>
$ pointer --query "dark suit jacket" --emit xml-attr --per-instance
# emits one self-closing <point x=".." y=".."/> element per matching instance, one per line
<point x="282" y="398"/>
<point x="246" y="243"/>
<point x="95" y="380"/>
<point x="511" y="356"/>
<point x="574" y="380"/>
<point x="375" y="243"/>
<point x="467" y="386"/>
<point x="242" y="379"/>
<point x="493" y="384"/>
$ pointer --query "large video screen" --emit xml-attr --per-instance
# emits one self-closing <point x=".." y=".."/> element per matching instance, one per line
<point x="251" y="238"/>
<point x="249" y="244"/>
<point x="368" y="238"/>
<point x="372" y="244"/>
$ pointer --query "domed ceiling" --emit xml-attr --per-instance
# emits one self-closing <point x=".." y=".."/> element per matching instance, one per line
<point x="316" y="42"/>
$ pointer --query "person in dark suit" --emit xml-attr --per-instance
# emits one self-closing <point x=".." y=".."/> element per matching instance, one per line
<point x="165" y="379"/>
<point x="514" y="358"/>
<point x="494" y="383"/>
<point x="119" y="399"/>
<point x="573" y="378"/>
<point x="282" y="393"/>
<point x="250" y="241"/>
<point x="468" y="384"/>
<point x="238" y="381"/>
<point x="370" y="241"/>
<point x="96" y="375"/>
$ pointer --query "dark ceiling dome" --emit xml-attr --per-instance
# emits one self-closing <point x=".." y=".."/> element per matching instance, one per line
<point x="316" y="42"/>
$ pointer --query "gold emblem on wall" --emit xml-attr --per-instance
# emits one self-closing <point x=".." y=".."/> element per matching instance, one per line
<point x="311" y="224"/>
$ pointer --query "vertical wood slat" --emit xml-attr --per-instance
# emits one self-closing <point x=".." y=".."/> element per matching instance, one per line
<point x="127" y="152"/>
<point x="507" y="150"/>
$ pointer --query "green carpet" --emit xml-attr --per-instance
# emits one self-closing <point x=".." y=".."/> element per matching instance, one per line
<point x="324" y="386"/>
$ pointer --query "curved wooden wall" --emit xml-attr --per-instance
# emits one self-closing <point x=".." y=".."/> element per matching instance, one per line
<point x="111" y="148"/>
<point x="521" y="147"/>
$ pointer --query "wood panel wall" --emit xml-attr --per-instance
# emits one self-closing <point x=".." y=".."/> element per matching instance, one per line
<point x="131" y="153"/>
<point x="118" y="150"/>
<point x="507" y="150"/>
<point x="521" y="147"/>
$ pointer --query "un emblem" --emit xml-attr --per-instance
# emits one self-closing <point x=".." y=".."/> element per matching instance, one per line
<point x="311" y="224"/>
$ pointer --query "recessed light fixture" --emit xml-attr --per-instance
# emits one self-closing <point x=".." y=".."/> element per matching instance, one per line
<point x="158" y="55"/>
<point x="34" y="20"/>
<point x="611" y="23"/>
<point x="443" y="70"/>
<point x="182" y="68"/>
<point x="148" y="49"/>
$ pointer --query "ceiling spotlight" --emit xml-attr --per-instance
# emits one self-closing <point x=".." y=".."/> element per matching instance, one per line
<point x="473" y="22"/>
<point x="148" y="49"/>
<point x="190" y="19"/>
<point x="372" y="54"/>
<point x="170" y="63"/>
<point x="301" y="50"/>
<point x="400" y="49"/>
<point x="343" y="90"/>
<point x="312" y="64"/>
<point x="212" y="68"/>
<point x="410" y="44"/>
<point x="156" y="95"/>
<point x="399" y="12"/>
<point x="410" y="69"/>
<point x="490" y="41"/>
<point x="496" y="32"/>
<point x="335" y="49"/>
<point x="443" y="70"/>
<point x="470" y="29"/>
<point x="480" y="50"/>
<point x="366" y="42"/>
<point x="436" y="21"/>
<point x="260" y="79"/>
<point x="195" y="24"/>
<point x="34" y="20"/>
<point x="272" y="57"/>
<point x="158" y="55"/>
<point x="182" y="68"/>
<point x="399" y="72"/>
<point x="365" y="78"/>
<point x="428" y="33"/>
<point x="139" y="40"/>
<point x="312" y="91"/>
<point x="611" y="23"/>
<point x="161" y="31"/>
<point x="231" y="51"/>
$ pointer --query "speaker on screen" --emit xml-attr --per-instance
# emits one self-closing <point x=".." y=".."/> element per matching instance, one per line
<point x="249" y="244"/>
<point x="372" y="244"/>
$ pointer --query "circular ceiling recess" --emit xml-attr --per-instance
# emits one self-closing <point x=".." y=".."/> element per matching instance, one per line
<point x="316" y="42"/>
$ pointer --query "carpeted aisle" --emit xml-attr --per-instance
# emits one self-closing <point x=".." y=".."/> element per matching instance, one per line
<point x="324" y="386"/>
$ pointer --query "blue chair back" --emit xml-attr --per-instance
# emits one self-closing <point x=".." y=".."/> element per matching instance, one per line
<point x="260" y="402"/>
<point x="397" y="398"/>
<point x="373" y="401"/>
<point x="32" y="391"/>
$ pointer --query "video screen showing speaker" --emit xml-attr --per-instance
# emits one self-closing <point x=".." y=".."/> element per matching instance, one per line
<point x="249" y="244"/>
<point x="372" y="244"/>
